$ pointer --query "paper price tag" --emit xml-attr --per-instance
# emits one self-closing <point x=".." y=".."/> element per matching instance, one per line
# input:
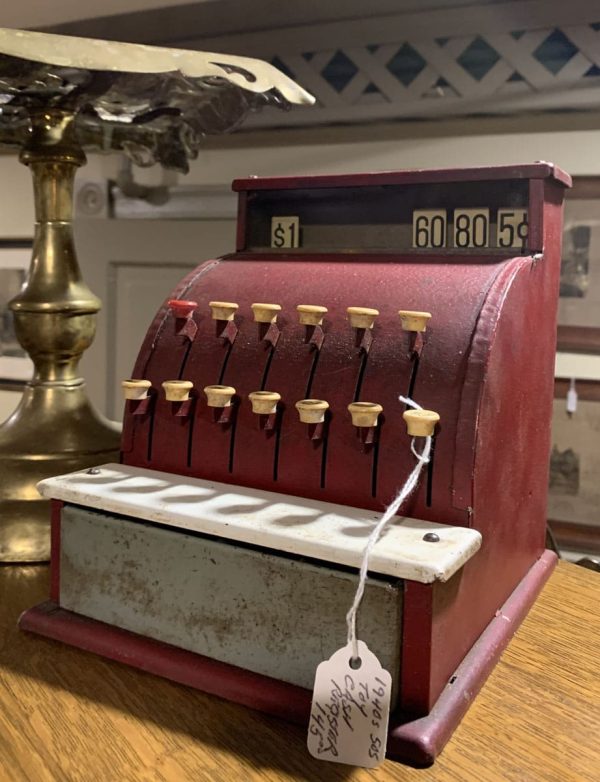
<point x="350" y="709"/>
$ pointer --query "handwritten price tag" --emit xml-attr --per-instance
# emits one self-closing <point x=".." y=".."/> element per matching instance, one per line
<point x="350" y="709"/>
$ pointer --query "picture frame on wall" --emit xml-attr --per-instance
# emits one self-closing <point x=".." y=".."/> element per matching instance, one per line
<point x="574" y="489"/>
<point x="579" y="303"/>
<point x="15" y="257"/>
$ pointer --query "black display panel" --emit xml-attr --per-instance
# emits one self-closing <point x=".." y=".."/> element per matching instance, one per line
<point x="454" y="217"/>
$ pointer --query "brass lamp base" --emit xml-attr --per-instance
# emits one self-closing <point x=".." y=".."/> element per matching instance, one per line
<point x="55" y="429"/>
<point x="74" y="435"/>
<point x="58" y="96"/>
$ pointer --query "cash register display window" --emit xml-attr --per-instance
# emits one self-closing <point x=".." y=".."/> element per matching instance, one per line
<point x="490" y="216"/>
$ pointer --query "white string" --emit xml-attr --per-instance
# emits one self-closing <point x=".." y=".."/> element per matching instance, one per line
<point x="388" y="516"/>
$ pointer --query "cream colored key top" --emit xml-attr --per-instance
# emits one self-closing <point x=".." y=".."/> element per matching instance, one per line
<point x="219" y="396"/>
<point x="420" y="423"/>
<point x="365" y="414"/>
<point x="135" y="389"/>
<point x="177" y="390"/>
<point x="311" y="314"/>
<point x="266" y="313"/>
<point x="312" y="411"/>
<point x="223" y="310"/>
<point x="413" y="320"/>
<point x="362" y="317"/>
<point x="264" y="402"/>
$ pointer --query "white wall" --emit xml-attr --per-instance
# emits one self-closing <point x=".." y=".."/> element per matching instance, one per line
<point x="16" y="199"/>
<point x="576" y="152"/>
<point x="413" y="145"/>
<point x="8" y="402"/>
<point x="573" y="146"/>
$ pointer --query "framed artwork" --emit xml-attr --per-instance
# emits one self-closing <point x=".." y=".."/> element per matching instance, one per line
<point x="574" y="488"/>
<point x="15" y="364"/>
<point x="579" y="304"/>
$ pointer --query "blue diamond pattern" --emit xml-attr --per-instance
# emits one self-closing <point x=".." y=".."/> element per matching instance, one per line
<point x="406" y="64"/>
<point x="370" y="89"/>
<point x="478" y="58"/>
<point x="281" y="66"/>
<point x="555" y="51"/>
<point x="339" y="71"/>
<point x="593" y="70"/>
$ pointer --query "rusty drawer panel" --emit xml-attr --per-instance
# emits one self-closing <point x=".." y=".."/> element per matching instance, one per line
<point x="256" y="609"/>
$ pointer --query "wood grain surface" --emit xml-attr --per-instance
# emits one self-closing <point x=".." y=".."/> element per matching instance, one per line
<point x="68" y="715"/>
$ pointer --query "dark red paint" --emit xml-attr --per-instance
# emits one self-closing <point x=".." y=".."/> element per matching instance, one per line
<point x="55" y="517"/>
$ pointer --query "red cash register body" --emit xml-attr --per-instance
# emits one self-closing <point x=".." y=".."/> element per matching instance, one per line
<point x="485" y="364"/>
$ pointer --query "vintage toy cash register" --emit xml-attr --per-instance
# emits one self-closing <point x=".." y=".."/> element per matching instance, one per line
<point x="264" y="435"/>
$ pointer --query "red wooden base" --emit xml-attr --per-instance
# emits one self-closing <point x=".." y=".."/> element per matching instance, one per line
<point x="414" y="741"/>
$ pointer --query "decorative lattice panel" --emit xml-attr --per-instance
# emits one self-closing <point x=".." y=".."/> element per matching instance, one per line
<point x="506" y="57"/>
<point x="550" y="68"/>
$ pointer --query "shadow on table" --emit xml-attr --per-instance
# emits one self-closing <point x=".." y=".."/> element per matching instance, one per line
<point x="252" y="739"/>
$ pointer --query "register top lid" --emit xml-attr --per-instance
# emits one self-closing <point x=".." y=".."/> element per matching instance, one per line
<point x="538" y="170"/>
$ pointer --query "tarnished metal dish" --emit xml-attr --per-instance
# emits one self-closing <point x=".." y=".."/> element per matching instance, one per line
<point x="154" y="104"/>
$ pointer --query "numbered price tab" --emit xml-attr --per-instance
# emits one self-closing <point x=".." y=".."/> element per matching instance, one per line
<point x="429" y="228"/>
<point x="512" y="228"/>
<point x="471" y="228"/>
<point x="285" y="232"/>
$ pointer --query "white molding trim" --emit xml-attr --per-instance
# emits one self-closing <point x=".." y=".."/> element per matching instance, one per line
<point x="184" y="202"/>
<point x="391" y="28"/>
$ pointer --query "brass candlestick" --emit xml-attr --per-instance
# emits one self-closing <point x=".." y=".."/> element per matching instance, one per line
<point x="54" y="428"/>
<point x="59" y="96"/>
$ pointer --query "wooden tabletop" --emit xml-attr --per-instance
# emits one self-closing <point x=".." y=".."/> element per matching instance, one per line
<point x="68" y="715"/>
